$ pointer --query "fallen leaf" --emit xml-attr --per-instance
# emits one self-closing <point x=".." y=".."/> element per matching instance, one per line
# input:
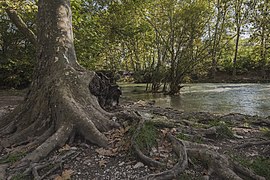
<point x="173" y="130"/>
<point x="66" y="147"/>
<point x="127" y="128"/>
<point x="165" y="131"/>
<point x="102" y="163"/>
<point x="58" y="178"/>
<point x="66" y="175"/>
<point x="106" y="152"/>
<point x="138" y="165"/>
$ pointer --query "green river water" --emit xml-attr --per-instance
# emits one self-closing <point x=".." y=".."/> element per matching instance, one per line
<point x="250" y="99"/>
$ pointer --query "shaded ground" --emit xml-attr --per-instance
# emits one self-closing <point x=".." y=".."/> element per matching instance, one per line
<point x="86" y="161"/>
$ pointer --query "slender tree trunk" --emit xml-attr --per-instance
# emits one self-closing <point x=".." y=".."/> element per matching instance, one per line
<point x="214" y="48"/>
<point x="236" y="50"/>
<point x="263" y="53"/>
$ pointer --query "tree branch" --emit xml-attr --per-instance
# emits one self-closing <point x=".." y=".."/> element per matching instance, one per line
<point x="20" y="24"/>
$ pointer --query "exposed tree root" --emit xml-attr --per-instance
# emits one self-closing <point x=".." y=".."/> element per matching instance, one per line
<point x="180" y="149"/>
<point x="58" y="139"/>
<point x="145" y="159"/>
<point x="220" y="164"/>
<point x="74" y="111"/>
<point x="56" y="163"/>
<point x="249" y="144"/>
<point x="262" y="122"/>
<point x="246" y="172"/>
<point x="50" y="116"/>
<point x="216" y="163"/>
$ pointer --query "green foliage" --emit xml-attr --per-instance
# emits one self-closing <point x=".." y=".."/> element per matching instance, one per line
<point x="160" y="41"/>
<point x="259" y="165"/>
<point x="215" y="122"/>
<point x="223" y="131"/>
<point x="20" y="177"/>
<point x="16" y="73"/>
<point x="198" y="139"/>
<point x="146" y="139"/>
<point x="266" y="132"/>
<point x="12" y="158"/>
<point x="17" y="54"/>
<point x="185" y="177"/>
<point x="182" y="136"/>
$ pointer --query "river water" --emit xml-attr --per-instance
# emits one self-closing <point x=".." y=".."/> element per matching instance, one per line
<point x="250" y="99"/>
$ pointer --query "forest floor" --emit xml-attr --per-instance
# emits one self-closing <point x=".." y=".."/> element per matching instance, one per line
<point x="87" y="161"/>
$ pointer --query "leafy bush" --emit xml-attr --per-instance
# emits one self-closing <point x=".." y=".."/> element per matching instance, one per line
<point x="16" y="73"/>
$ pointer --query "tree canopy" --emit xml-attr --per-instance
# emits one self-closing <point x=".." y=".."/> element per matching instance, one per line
<point x="157" y="40"/>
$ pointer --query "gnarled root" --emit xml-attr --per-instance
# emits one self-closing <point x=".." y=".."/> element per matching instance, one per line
<point x="52" y="114"/>
<point x="180" y="149"/>
<point x="145" y="159"/>
<point x="58" y="139"/>
<point x="55" y="163"/>
<point x="249" y="144"/>
<point x="217" y="163"/>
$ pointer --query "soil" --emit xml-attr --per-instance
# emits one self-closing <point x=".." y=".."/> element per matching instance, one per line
<point x="118" y="161"/>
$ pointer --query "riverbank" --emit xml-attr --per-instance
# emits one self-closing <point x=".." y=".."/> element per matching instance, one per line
<point x="225" y="77"/>
<point x="87" y="161"/>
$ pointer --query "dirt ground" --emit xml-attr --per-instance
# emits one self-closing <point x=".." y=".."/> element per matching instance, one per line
<point x="87" y="161"/>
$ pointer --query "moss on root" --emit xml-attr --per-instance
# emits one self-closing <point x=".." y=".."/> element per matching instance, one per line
<point x="147" y="136"/>
<point x="20" y="177"/>
<point x="12" y="158"/>
<point x="259" y="165"/>
<point x="224" y="132"/>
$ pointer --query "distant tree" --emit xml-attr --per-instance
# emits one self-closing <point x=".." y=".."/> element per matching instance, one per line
<point x="17" y="52"/>
<point x="179" y="27"/>
<point x="240" y="16"/>
<point x="260" y="33"/>
<point x="215" y="34"/>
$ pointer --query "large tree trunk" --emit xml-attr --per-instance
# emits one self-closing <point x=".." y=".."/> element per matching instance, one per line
<point x="59" y="103"/>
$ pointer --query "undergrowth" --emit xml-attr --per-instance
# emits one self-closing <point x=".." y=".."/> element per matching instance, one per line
<point x="223" y="131"/>
<point x="146" y="139"/>
<point x="12" y="158"/>
<point x="259" y="165"/>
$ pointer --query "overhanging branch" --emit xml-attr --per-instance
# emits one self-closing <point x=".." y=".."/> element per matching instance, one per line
<point x="20" y="24"/>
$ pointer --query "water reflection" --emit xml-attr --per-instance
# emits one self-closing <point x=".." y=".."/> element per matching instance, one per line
<point x="252" y="99"/>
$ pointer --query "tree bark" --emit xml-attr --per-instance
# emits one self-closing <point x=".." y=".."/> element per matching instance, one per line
<point x="59" y="98"/>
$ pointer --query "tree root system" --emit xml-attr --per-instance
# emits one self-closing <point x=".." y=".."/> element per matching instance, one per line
<point x="180" y="145"/>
